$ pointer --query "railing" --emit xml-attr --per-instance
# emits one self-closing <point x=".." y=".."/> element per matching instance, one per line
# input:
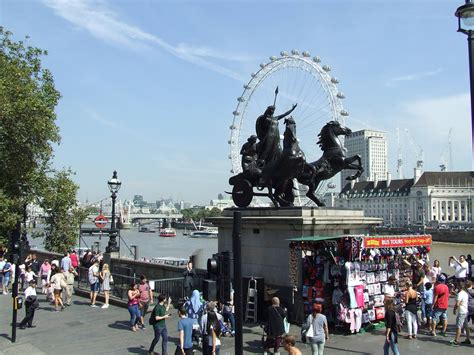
<point x="173" y="288"/>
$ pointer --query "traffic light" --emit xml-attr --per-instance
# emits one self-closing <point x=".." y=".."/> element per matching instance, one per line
<point x="17" y="303"/>
<point x="218" y="269"/>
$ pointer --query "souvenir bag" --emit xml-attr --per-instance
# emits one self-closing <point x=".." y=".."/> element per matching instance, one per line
<point x="307" y="331"/>
<point x="286" y="325"/>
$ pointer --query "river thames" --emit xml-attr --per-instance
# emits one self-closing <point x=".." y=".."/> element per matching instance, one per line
<point x="151" y="245"/>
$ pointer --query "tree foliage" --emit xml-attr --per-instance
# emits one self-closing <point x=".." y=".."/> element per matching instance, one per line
<point x="28" y="132"/>
<point x="200" y="213"/>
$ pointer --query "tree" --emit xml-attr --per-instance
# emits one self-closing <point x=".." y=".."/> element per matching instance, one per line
<point x="28" y="132"/>
<point x="64" y="217"/>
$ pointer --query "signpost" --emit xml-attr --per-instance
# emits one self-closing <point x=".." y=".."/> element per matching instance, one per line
<point x="100" y="221"/>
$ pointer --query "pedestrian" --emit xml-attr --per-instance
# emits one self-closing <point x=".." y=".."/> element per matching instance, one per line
<point x="228" y="311"/>
<point x="440" y="305"/>
<point x="428" y="298"/>
<point x="31" y="303"/>
<point x="159" y="316"/>
<point x="436" y="268"/>
<point x="185" y="330"/>
<point x="470" y="307"/>
<point x="69" y="276"/>
<point x="74" y="259"/>
<point x="275" y="327"/>
<point x="58" y="281"/>
<point x="189" y="275"/>
<point x="460" y="266"/>
<point x="194" y="309"/>
<point x="29" y="275"/>
<point x="289" y="343"/>
<point x="93" y="276"/>
<point x="461" y="311"/>
<point x="470" y="263"/>
<point x="146" y="298"/>
<point x="2" y="264"/>
<point x="66" y="261"/>
<point x="320" y="329"/>
<point x="391" y="328"/>
<point x="35" y="264"/>
<point x="389" y="290"/>
<point x="430" y="273"/>
<point x="44" y="275"/>
<point x="211" y="308"/>
<point x="214" y="332"/>
<point x="107" y="279"/>
<point x="133" y="301"/>
<point x="411" y="310"/>
<point x="6" y="273"/>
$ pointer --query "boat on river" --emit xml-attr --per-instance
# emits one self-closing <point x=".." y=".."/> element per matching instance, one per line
<point x="208" y="232"/>
<point x="144" y="229"/>
<point x="167" y="232"/>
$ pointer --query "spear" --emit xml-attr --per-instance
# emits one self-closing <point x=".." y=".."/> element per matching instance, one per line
<point x="276" y="94"/>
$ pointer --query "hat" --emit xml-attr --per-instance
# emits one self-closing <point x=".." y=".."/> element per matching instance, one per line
<point x="421" y="262"/>
<point x="441" y="278"/>
<point x="392" y="278"/>
<point x="211" y="306"/>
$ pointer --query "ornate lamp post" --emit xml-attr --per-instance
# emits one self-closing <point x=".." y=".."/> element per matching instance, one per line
<point x="114" y="187"/>
<point x="465" y="15"/>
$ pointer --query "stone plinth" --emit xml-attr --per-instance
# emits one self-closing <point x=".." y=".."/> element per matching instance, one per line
<point x="265" y="232"/>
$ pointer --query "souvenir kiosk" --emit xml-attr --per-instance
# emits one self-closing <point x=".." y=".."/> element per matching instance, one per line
<point x="348" y="274"/>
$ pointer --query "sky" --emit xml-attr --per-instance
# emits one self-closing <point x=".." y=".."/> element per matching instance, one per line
<point x="148" y="87"/>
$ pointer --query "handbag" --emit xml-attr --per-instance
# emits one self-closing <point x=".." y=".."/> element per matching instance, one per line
<point x="286" y="325"/>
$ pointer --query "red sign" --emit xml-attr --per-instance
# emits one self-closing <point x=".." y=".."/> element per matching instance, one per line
<point x="396" y="241"/>
<point x="100" y="221"/>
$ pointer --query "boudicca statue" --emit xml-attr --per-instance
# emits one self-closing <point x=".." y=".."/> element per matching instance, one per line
<point x="266" y="165"/>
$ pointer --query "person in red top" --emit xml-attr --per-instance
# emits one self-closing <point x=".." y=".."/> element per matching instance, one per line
<point x="146" y="298"/>
<point x="440" y="305"/>
<point x="74" y="259"/>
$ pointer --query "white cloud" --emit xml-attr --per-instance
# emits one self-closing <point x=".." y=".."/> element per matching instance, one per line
<point x="412" y="77"/>
<point x="102" y="23"/>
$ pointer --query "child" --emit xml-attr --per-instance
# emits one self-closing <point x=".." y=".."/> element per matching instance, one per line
<point x="428" y="298"/>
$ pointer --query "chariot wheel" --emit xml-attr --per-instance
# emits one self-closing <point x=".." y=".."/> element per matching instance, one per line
<point x="242" y="193"/>
<point x="301" y="79"/>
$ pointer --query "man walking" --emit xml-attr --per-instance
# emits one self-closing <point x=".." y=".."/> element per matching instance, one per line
<point x="461" y="312"/>
<point x="31" y="303"/>
<point x="159" y="316"/>
<point x="460" y="266"/>
<point x="69" y="275"/>
<point x="6" y="273"/>
<point x="440" y="305"/>
<point x="66" y="262"/>
<point x="146" y="298"/>
<point x="185" y="329"/>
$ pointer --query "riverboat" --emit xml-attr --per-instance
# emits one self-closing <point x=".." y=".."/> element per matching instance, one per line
<point x="168" y="232"/>
<point x="146" y="230"/>
<point x="209" y="232"/>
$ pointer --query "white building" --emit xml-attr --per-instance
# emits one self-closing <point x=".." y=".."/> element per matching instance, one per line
<point x="371" y="145"/>
<point x="431" y="197"/>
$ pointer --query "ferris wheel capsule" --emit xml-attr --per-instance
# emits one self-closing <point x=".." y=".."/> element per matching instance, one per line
<point x="284" y="53"/>
<point x="344" y="113"/>
<point x="295" y="52"/>
<point x="253" y="75"/>
<point x="232" y="127"/>
<point x="240" y="99"/>
<point x="246" y="86"/>
<point x="335" y="80"/>
<point x="306" y="54"/>
<point x="326" y="68"/>
<point x="317" y="59"/>
<point x="272" y="58"/>
<point x="341" y="95"/>
<point x="236" y="113"/>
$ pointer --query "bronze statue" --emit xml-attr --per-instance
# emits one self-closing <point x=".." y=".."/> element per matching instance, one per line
<point x="266" y="126"/>
<point x="266" y="165"/>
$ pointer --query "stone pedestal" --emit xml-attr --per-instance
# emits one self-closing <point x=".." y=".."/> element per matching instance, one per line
<point x="265" y="233"/>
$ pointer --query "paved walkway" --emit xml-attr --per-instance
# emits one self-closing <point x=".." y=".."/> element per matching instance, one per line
<point x="81" y="329"/>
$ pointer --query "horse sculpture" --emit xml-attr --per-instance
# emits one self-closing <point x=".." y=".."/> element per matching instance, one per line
<point x="332" y="161"/>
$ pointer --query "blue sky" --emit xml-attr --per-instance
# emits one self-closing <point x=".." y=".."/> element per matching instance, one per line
<point x="161" y="78"/>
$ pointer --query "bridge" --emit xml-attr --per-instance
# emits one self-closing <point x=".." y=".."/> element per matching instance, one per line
<point x="136" y="217"/>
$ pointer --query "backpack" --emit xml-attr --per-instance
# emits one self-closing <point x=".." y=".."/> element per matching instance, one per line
<point x="152" y="320"/>
<point x="470" y="303"/>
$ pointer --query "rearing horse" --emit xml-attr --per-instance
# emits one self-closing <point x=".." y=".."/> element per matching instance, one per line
<point x="332" y="161"/>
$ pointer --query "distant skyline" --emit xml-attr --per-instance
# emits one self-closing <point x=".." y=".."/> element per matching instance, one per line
<point x="160" y="79"/>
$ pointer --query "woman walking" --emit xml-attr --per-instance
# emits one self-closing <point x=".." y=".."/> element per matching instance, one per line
<point x="158" y="317"/>
<point x="275" y="327"/>
<point x="214" y="331"/>
<point x="133" y="300"/>
<point x="436" y="268"/>
<point x="411" y="310"/>
<point x="320" y="330"/>
<point x="45" y="274"/>
<point x="107" y="279"/>
<point x="391" y="332"/>
<point x="58" y="281"/>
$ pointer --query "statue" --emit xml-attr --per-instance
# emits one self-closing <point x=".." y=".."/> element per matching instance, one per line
<point x="249" y="153"/>
<point x="266" y="126"/>
<point x="266" y="165"/>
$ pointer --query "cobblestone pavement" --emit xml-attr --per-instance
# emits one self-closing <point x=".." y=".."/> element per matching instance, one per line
<point x="81" y="329"/>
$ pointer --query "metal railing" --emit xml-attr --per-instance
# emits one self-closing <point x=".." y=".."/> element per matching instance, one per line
<point x="173" y="288"/>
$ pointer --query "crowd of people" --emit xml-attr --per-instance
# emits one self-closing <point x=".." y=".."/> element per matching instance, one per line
<point x="426" y="302"/>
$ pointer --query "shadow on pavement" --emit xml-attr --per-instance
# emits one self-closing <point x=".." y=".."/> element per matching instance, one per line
<point x="138" y="350"/>
<point x="349" y="351"/>
<point x="253" y="346"/>
<point x="119" y="324"/>
<point x="81" y="303"/>
<point x="6" y="336"/>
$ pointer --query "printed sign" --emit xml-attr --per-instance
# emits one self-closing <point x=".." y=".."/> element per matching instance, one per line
<point x="398" y="241"/>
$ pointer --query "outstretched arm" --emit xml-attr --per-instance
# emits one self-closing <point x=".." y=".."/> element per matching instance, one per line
<point x="286" y="113"/>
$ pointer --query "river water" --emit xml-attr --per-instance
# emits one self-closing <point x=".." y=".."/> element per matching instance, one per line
<point x="151" y="245"/>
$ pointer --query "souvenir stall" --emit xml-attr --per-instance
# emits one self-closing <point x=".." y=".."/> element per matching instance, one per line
<point x="348" y="274"/>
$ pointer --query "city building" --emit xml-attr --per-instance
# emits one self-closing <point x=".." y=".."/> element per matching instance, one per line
<point x="371" y="145"/>
<point x="429" y="198"/>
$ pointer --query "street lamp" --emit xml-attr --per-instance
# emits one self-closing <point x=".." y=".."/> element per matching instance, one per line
<point x="114" y="187"/>
<point x="465" y="15"/>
